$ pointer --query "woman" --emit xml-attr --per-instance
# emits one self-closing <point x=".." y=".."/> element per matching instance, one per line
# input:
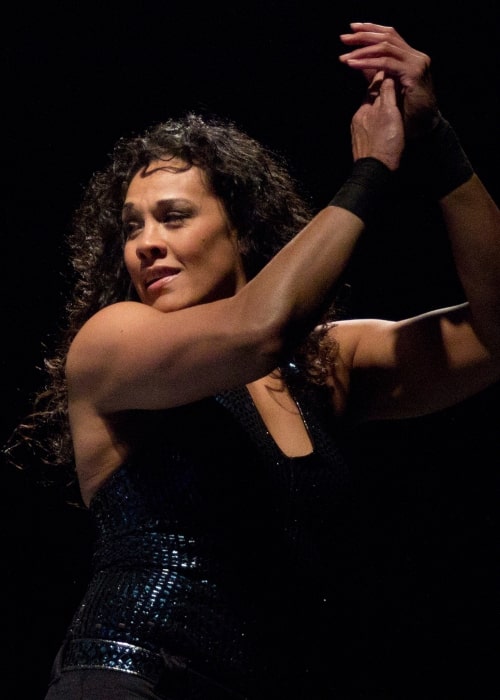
<point x="206" y="386"/>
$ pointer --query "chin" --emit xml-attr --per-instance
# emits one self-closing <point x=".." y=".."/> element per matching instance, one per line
<point x="165" y="303"/>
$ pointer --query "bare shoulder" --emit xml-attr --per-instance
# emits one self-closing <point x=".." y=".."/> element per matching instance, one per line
<point x="107" y="326"/>
<point x="360" y="341"/>
<point x="106" y="336"/>
<point x="98" y="450"/>
<point x="360" y="344"/>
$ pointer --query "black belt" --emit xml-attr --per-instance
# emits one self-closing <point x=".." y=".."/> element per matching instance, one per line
<point x="157" y="668"/>
<point x="107" y="654"/>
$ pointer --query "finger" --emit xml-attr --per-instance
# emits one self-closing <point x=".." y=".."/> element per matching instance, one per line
<point x="390" y="65"/>
<point x="365" y="28"/>
<point x="388" y="92"/>
<point x="373" y="38"/>
<point x="373" y="89"/>
<point x="376" y="82"/>
<point x="372" y="27"/>
<point x="378" y="50"/>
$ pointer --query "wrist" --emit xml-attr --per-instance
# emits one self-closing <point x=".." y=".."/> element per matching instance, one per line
<point x="365" y="189"/>
<point x="437" y="159"/>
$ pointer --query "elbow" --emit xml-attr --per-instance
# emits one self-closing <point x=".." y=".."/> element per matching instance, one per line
<point x="268" y="345"/>
<point x="264" y="338"/>
<point x="271" y="328"/>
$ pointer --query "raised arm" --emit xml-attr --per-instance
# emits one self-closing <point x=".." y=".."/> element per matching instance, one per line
<point x="423" y="364"/>
<point x="131" y="355"/>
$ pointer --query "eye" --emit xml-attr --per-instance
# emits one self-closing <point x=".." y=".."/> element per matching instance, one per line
<point x="174" y="219"/>
<point x="130" y="229"/>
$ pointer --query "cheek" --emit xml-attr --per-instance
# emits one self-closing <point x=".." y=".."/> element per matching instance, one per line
<point x="201" y="252"/>
<point x="130" y="259"/>
<point x="220" y="246"/>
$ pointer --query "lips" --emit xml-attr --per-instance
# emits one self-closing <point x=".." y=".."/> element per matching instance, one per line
<point x="159" y="276"/>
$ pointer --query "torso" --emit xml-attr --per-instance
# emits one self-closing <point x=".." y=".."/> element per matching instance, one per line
<point x="100" y="451"/>
<point x="282" y="416"/>
<point x="231" y="527"/>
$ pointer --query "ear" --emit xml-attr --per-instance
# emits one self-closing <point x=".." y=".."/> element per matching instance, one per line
<point x="234" y="236"/>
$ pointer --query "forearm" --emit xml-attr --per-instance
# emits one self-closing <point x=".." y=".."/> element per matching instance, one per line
<point x="441" y="168"/>
<point x="472" y="220"/>
<point x="287" y="298"/>
<point x="290" y="293"/>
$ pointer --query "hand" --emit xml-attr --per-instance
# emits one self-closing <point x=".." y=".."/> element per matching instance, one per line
<point x="383" y="49"/>
<point x="377" y="126"/>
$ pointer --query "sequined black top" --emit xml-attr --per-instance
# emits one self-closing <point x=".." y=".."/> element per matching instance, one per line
<point x="216" y="548"/>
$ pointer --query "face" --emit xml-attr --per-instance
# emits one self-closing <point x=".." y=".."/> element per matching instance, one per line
<point x="180" y="248"/>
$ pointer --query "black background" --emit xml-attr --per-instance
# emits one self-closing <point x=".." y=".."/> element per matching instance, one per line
<point x="78" y="77"/>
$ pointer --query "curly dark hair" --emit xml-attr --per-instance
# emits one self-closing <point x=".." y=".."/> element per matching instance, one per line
<point x="262" y="201"/>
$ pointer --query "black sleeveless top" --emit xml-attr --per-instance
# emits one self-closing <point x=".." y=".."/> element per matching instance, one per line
<point x="217" y="549"/>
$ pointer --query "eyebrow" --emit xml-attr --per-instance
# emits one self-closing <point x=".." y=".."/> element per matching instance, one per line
<point x="169" y="202"/>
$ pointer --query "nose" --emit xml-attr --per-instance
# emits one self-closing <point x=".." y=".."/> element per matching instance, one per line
<point x="151" y="243"/>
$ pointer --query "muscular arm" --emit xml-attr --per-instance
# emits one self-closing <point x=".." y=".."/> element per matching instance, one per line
<point x="429" y="362"/>
<point x="472" y="220"/>
<point x="131" y="356"/>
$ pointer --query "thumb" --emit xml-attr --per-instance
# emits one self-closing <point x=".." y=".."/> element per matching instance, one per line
<point x="374" y="86"/>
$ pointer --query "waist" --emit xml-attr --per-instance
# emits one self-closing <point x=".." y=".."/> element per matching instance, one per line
<point x="165" y="672"/>
<point x="108" y="654"/>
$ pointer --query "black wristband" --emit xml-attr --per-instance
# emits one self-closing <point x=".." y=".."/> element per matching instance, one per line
<point x="437" y="160"/>
<point x="365" y="188"/>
